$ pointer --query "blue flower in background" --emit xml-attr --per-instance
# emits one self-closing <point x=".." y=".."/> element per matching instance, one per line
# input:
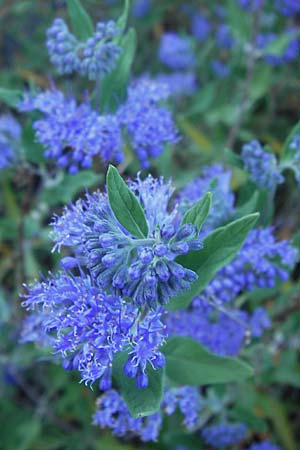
<point x="74" y="134"/>
<point x="10" y="140"/>
<point x="224" y="37"/>
<point x="224" y="434"/>
<point x="179" y="83"/>
<point x="288" y="7"/>
<point x="261" y="165"/>
<point x="200" y="27"/>
<point x="290" y="53"/>
<point x="220" y="69"/>
<point x="141" y="7"/>
<point x="176" y="51"/>
<point x="265" y="445"/>
<point x="149" y="125"/>
<point x="93" y="58"/>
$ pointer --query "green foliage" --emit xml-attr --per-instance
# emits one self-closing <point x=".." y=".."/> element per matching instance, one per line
<point x="219" y="248"/>
<point x="81" y="21"/>
<point x="190" y="363"/>
<point x="125" y="205"/>
<point x="198" y="212"/>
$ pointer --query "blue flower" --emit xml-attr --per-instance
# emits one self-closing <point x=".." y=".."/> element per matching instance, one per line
<point x="93" y="58"/>
<point x="141" y="7"/>
<point x="200" y="27"/>
<point x="149" y="126"/>
<point x="179" y="83"/>
<point x="10" y="140"/>
<point x="220" y="69"/>
<point x="224" y="434"/>
<point x="176" y="52"/>
<point x="261" y="165"/>
<point x="288" y="7"/>
<point x="142" y="269"/>
<point x="224" y="37"/>
<point x="74" y="134"/>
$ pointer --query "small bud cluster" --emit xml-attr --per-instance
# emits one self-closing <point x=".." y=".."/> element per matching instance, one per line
<point x="224" y="434"/>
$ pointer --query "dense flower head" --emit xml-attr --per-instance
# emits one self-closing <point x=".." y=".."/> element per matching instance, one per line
<point x="176" y="51"/>
<point x="10" y="137"/>
<point x="93" y="58"/>
<point x="200" y="27"/>
<point x="149" y="125"/>
<point x="224" y="434"/>
<point x="261" y="165"/>
<point x="214" y="179"/>
<point x="87" y="327"/>
<point x="265" y="445"/>
<point x="142" y="269"/>
<point x="260" y="263"/>
<point x="73" y="134"/>
<point x="179" y="83"/>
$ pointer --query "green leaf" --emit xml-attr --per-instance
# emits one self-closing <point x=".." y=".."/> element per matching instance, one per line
<point x="81" y="21"/>
<point x="288" y="153"/>
<point x="188" y="363"/>
<point x="239" y="22"/>
<point x="198" y="212"/>
<point x="125" y="205"/>
<point x="10" y="97"/>
<point x="114" y="85"/>
<point x="122" y="20"/>
<point x="248" y="207"/>
<point x="219" y="248"/>
<point x="140" y="402"/>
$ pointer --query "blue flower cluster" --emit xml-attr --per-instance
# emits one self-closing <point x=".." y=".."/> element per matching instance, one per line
<point x="288" y="7"/>
<point x="260" y="263"/>
<point x="87" y="316"/>
<point x="142" y="269"/>
<point x="112" y="412"/>
<point x="176" y="52"/>
<point x="224" y="434"/>
<point x="149" y="125"/>
<point x="74" y="134"/>
<point x="93" y="58"/>
<point x="10" y="139"/>
<point x="265" y="445"/>
<point x="200" y="27"/>
<point x="261" y="165"/>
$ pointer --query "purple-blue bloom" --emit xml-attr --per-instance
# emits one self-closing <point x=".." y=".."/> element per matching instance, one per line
<point x="142" y="269"/>
<point x="93" y="58"/>
<point x="261" y="165"/>
<point x="224" y="37"/>
<point x="141" y="7"/>
<point x="10" y="140"/>
<point x="200" y="27"/>
<point x="150" y="126"/>
<point x="288" y="7"/>
<point x="220" y="69"/>
<point x="74" y="134"/>
<point x="224" y="434"/>
<point x="176" y="51"/>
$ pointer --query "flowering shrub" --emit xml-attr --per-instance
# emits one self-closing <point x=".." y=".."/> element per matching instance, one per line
<point x="149" y="230"/>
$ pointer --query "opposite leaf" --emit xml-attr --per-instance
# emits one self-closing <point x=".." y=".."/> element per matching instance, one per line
<point x="219" y="248"/>
<point x="198" y="212"/>
<point x="188" y="363"/>
<point x="140" y="402"/>
<point x="125" y="205"/>
<point x="81" y="21"/>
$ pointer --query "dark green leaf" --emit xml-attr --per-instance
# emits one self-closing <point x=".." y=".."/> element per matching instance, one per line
<point x="125" y="205"/>
<point x="114" y="85"/>
<point x="122" y="20"/>
<point x="188" y="363"/>
<point x="81" y="21"/>
<point x="140" y="402"/>
<point x="198" y="212"/>
<point x="10" y="96"/>
<point x="219" y="249"/>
